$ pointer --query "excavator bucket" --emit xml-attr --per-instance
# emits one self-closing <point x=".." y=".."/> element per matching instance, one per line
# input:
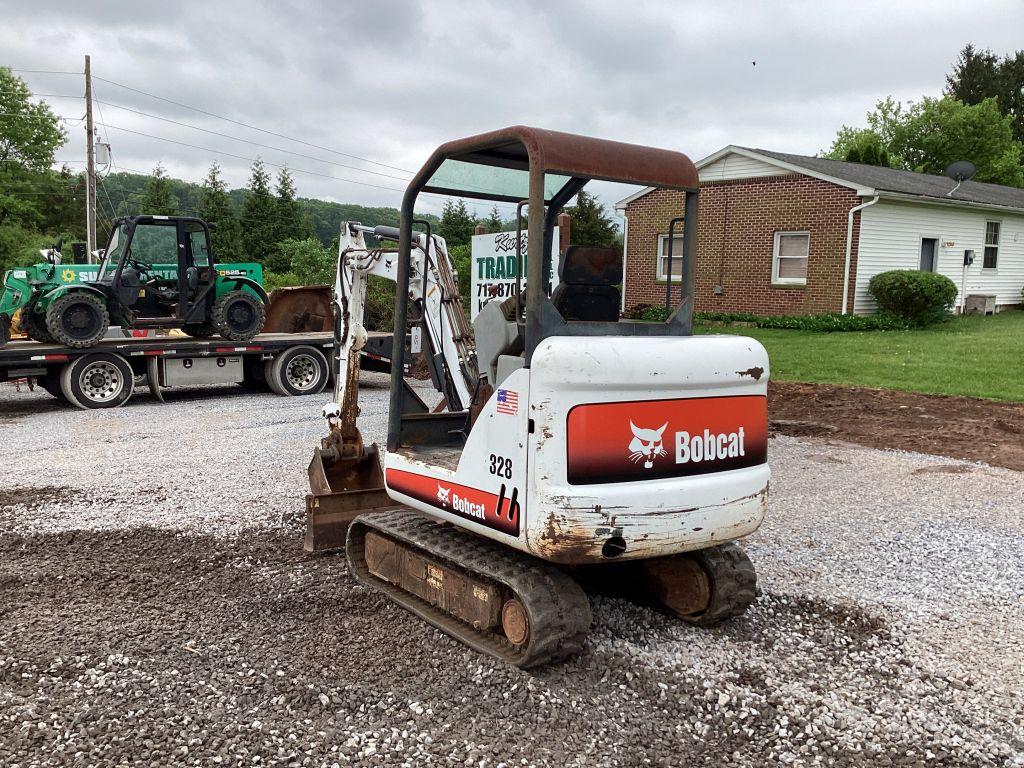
<point x="300" y="309"/>
<point x="340" y="489"/>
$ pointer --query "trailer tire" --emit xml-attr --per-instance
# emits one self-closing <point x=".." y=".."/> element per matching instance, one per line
<point x="298" y="371"/>
<point x="238" y="315"/>
<point x="5" y="330"/>
<point x="34" y="325"/>
<point x="50" y="381"/>
<point x="77" y="319"/>
<point x="98" y="380"/>
<point x="199" y="330"/>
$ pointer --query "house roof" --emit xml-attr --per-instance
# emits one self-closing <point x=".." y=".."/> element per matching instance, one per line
<point x="904" y="182"/>
<point x="871" y="179"/>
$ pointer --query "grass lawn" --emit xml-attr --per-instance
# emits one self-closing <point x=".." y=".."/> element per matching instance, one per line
<point x="973" y="356"/>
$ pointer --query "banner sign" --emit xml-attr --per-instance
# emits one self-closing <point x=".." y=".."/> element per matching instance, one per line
<point x="493" y="262"/>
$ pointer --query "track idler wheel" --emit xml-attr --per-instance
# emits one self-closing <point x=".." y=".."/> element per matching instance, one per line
<point x="498" y="601"/>
<point x="703" y="587"/>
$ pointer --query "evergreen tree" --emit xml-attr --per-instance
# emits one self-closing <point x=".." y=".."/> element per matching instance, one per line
<point x="979" y="75"/>
<point x="457" y="223"/>
<point x="292" y="223"/>
<point x="158" y="198"/>
<point x="259" y="217"/>
<point x="216" y="210"/>
<point x="591" y="225"/>
<point x="494" y="222"/>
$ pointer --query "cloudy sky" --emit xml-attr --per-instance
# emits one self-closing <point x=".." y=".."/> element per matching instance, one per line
<point x="372" y="87"/>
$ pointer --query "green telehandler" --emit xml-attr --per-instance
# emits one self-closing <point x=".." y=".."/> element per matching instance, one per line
<point x="156" y="272"/>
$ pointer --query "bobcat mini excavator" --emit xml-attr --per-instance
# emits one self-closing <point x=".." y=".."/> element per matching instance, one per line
<point x="569" y="441"/>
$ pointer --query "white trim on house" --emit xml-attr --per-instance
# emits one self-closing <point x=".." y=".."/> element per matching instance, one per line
<point x="776" y="257"/>
<point x="750" y="154"/>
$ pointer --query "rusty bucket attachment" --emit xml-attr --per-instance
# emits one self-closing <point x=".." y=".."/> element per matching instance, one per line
<point x="300" y="309"/>
<point x="341" y="487"/>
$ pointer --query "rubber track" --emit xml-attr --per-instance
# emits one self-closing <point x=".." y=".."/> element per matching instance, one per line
<point x="558" y="609"/>
<point x="733" y="584"/>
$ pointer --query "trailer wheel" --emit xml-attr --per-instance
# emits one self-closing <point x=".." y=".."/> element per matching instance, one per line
<point x="50" y="381"/>
<point x="238" y="315"/>
<point x="77" y="319"/>
<point x="98" y="380"/>
<point x="5" y="330"/>
<point x="298" y="371"/>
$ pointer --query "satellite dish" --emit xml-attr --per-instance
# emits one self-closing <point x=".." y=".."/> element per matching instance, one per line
<point x="961" y="170"/>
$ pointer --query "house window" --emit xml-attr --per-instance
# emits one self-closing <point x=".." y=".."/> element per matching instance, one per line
<point x="991" y="245"/>
<point x="677" y="256"/>
<point x="789" y="259"/>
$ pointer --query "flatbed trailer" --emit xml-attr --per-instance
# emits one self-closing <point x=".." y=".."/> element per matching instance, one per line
<point x="104" y="376"/>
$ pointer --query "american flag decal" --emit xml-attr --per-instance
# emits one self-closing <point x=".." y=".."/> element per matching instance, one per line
<point x="508" y="402"/>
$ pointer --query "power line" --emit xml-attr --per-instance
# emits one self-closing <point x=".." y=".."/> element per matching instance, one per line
<point x="253" y="127"/>
<point x="254" y="143"/>
<point x="45" y="71"/>
<point x="248" y="159"/>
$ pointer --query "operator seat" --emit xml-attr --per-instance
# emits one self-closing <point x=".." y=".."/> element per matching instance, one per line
<point x="588" y="284"/>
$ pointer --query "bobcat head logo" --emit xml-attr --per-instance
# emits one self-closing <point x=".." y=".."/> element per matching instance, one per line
<point x="442" y="495"/>
<point x="646" y="444"/>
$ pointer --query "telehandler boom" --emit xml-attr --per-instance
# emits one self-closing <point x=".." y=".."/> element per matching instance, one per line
<point x="570" y="439"/>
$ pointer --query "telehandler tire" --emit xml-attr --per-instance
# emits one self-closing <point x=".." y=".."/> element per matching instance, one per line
<point x="77" y="319"/>
<point x="238" y="315"/>
<point x="34" y="325"/>
<point x="298" y="371"/>
<point x="98" y="380"/>
<point x="200" y="330"/>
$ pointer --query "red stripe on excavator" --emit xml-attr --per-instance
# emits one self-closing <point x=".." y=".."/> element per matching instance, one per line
<point x="497" y="511"/>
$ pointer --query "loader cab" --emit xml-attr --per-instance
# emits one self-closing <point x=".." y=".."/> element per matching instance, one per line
<point x="160" y="268"/>
<point x="540" y="172"/>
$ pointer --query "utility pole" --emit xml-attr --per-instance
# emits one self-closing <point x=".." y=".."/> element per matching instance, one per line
<point x="90" y="167"/>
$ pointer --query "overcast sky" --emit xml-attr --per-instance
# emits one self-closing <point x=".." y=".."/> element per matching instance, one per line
<point x="389" y="80"/>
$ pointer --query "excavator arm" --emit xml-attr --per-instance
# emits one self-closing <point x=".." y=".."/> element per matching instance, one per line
<point x="345" y="475"/>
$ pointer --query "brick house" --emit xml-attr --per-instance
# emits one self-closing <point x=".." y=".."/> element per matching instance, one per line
<point x="783" y="234"/>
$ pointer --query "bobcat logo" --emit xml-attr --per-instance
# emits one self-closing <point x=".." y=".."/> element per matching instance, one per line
<point x="646" y="444"/>
<point x="442" y="495"/>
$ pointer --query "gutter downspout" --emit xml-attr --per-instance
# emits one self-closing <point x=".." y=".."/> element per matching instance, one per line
<point x="625" y="255"/>
<point x="849" y="248"/>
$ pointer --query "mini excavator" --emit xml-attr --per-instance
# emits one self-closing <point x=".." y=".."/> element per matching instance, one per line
<point x="568" y="440"/>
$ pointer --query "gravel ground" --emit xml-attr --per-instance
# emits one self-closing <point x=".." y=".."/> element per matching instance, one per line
<point x="153" y="614"/>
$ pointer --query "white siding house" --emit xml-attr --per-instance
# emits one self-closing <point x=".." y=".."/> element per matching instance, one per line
<point x="892" y="235"/>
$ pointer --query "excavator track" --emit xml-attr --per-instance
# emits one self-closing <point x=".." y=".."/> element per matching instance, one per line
<point x="498" y="592"/>
<point x="733" y="584"/>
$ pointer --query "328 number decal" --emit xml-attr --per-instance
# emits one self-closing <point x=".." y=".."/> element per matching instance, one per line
<point x="500" y="466"/>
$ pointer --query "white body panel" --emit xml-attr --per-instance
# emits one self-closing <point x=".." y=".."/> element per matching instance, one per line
<point x="568" y="520"/>
<point x="890" y="238"/>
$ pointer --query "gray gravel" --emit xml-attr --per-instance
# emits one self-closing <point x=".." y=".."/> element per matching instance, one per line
<point x="153" y="613"/>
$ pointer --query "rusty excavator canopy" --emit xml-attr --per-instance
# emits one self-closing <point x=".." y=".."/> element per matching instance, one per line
<point x="496" y="165"/>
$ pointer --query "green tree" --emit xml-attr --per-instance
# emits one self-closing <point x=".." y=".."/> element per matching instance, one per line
<point x="29" y="191"/>
<point x="591" y="224"/>
<point x="930" y="134"/>
<point x="308" y="260"/>
<point x="292" y="223"/>
<point x="259" y="217"/>
<point x="494" y="222"/>
<point x="457" y="223"/>
<point x="216" y="210"/>
<point x="159" y="199"/>
<point x="979" y="75"/>
<point x="29" y="133"/>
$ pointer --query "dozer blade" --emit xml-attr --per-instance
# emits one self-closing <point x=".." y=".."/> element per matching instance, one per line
<point x="340" y="489"/>
<point x="299" y="309"/>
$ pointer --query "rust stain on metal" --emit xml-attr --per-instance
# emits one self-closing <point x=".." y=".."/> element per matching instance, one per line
<point x="755" y="373"/>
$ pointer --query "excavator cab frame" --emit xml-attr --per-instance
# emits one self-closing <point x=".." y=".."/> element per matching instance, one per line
<point x="544" y="170"/>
